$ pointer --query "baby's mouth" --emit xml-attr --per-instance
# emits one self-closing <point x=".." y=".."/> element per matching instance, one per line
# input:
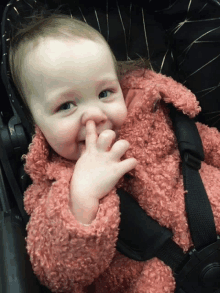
<point x="81" y="147"/>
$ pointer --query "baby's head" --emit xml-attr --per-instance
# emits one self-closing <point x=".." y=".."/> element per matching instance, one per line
<point x="69" y="82"/>
<point x="66" y="74"/>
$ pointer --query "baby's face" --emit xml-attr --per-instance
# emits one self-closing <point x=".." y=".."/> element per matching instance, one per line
<point x="68" y="83"/>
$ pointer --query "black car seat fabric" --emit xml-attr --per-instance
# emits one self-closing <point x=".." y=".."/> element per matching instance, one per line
<point x="180" y="37"/>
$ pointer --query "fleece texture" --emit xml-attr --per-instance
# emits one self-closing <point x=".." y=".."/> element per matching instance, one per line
<point x="69" y="257"/>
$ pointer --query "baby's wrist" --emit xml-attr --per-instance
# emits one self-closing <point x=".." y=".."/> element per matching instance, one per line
<point x="84" y="210"/>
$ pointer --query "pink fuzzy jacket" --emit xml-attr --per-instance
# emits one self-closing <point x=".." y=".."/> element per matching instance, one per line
<point x="69" y="257"/>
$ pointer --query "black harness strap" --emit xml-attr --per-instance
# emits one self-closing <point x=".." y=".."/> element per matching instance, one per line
<point x="198" y="208"/>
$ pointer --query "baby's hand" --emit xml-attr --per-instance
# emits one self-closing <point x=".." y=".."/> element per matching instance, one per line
<point x="99" y="168"/>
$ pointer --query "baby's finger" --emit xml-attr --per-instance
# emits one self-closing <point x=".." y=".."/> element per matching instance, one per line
<point x="127" y="165"/>
<point x="106" y="139"/>
<point x="119" y="148"/>
<point x="91" y="134"/>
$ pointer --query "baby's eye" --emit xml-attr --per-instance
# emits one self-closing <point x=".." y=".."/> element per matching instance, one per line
<point x="65" y="108"/>
<point x="106" y="91"/>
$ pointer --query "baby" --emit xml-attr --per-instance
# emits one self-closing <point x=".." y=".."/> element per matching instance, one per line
<point x="77" y="102"/>
<point x="73" y="203"/>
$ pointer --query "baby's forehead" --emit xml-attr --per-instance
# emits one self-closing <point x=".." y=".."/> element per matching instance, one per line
<point x="35" y="65"/>
<point x="90" y="44"/>
<point x="50" y="50"/>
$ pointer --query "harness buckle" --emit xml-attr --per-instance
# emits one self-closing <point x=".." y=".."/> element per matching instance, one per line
<point x="202" y="271"/>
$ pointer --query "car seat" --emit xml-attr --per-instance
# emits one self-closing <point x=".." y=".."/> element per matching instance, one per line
<point x="181" y="39"/>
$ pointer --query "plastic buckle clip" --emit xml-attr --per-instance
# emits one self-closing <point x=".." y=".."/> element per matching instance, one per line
<point x="202" y="271"/>
<point x="192" y="161"/>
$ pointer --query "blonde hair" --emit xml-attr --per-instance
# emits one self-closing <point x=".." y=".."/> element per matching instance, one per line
<point x="45" y="23"/>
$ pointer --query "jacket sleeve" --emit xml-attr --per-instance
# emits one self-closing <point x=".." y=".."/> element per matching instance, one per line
<point x="65" y="255"/>
<point x="210" y="137"/>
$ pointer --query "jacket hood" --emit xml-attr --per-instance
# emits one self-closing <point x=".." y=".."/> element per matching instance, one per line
<point x="157" y="87"/>
<point x="42" y="162"/>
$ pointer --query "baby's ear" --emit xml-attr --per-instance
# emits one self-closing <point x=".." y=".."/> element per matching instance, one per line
<point x="175" y="93"/>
